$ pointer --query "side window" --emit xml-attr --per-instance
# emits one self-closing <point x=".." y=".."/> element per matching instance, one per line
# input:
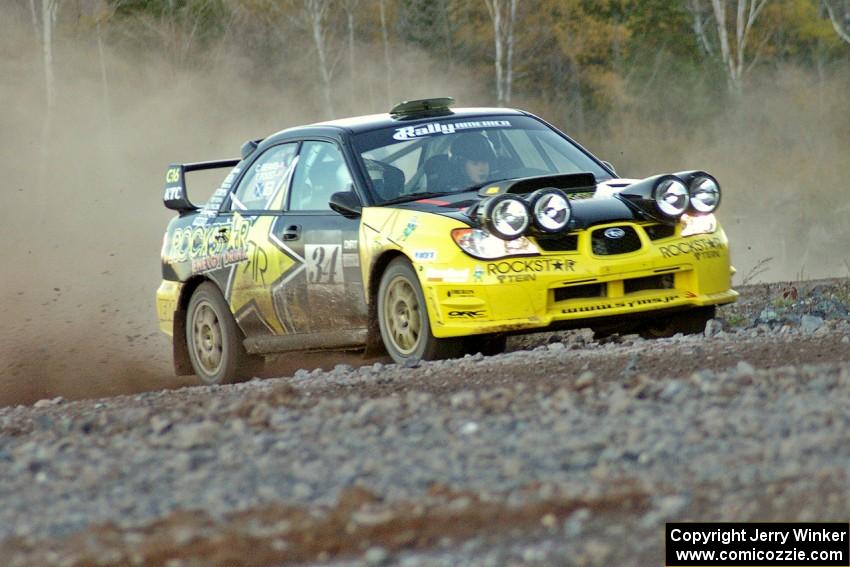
<point x="321" y="172"/>
<point x="264" y="180"/>
<point x="404" y="156"/>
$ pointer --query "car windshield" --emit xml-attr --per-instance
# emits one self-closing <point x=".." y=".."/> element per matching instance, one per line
<point x="455" y="154"/>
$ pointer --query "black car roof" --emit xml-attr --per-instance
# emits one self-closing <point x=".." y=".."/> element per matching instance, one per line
<point x="357" y="124"/>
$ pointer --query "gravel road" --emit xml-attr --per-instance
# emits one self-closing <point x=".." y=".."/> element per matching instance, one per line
<point x="564" y="451"/>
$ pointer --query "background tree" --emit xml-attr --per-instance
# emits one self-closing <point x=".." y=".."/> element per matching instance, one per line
<point x="351" y="7"/>
<point x="839" y="15"/>
<point x="316" y="15"/>
<point x="385" y="39"/>
<point x="733" y="46"/>
<point x="44" y="22"/>
<point x="503" y="14"/>
<point x="431" y="25"/>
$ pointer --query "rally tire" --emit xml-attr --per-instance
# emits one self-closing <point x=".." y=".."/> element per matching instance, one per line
<point x="690" y="322"/>
<point x="403" y="318"/>
<point x="214" y="341"/>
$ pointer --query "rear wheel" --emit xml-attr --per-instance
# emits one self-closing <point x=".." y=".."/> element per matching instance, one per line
<point x="690" y="322"/>
<point x="214" y="341"/>
<point x="403" y="318"/>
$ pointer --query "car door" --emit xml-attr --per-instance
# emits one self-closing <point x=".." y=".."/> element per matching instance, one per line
<point x="261" y="264"/>
<point x="326" y="296"/>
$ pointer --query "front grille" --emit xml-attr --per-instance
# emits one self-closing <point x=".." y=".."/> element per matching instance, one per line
<point x="648" y="283"/>
<point x="659" y="231"/>
<point x="619" y="240"/>
<point x="562" y="243"/>
<point x="580" y="291"/>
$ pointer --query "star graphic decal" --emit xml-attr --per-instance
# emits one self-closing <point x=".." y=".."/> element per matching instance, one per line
<point x="255" y="285"/>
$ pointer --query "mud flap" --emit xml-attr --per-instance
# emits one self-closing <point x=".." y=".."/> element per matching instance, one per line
<point x="182" y="363"/>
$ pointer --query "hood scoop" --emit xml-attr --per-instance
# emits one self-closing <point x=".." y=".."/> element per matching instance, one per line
<point x="569" y="183"/>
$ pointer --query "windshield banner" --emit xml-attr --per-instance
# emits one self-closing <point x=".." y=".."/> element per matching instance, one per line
<point x="413" y="132"/>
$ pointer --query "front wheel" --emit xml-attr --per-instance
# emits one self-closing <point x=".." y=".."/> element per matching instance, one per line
<point x="403" y="318"/>
<point x="214" y="341"/>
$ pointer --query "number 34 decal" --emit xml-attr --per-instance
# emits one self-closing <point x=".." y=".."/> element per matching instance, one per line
<point x="324" y="263"/>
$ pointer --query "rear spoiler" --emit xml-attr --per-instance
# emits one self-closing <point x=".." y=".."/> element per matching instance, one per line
<point x="175" y="196"/>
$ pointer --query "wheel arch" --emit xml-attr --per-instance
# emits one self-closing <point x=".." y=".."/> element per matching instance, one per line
<point x="182" y="363"/>
<point x="374" y="344"/>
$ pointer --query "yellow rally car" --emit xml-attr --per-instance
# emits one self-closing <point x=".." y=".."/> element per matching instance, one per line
<point x="429" y="232"/>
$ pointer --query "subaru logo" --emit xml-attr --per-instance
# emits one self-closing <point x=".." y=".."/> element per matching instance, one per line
<point x="614" y="233"/>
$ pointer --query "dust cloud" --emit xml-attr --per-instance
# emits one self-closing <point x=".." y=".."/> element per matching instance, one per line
<point x="781" y="153"/>
<point x="82" y="236"/>
<point x="82" y="232"/>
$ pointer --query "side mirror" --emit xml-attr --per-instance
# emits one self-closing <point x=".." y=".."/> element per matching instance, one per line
<point x="346" y="203"/>
<point x="610" y="166"/>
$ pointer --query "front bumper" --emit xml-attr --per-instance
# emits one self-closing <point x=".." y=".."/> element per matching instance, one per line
<point x="467" y="296"/>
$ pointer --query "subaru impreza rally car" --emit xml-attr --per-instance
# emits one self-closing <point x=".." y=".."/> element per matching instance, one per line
<point x="429" y="232"/>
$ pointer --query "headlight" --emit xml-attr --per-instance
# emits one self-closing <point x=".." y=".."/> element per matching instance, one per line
<point x="481" y="244"/>
<point x="550" y="210"/>
<point x="705" y="194"/>
<point x="506" y="216"/>
<point x="672" y="197"/>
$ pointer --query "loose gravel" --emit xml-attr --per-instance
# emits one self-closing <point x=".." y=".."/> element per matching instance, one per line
<point x="746" y="422"/>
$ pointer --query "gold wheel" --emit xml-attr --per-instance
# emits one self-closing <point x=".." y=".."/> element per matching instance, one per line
<point x="402" y="315"/>
<point x="403" y="318"/>
<point x="207" y="338"/>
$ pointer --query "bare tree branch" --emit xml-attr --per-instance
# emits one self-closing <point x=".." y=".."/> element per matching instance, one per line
<point x="387" y="60"/>
<point x="698" y="24"/>
<point x="34" y="18"/>
<point x="733" y="56"/>
<point x="509" y="64"/>
<point x="758" y="52"/>
<point x="350" y="7"/>
<point x="503" y="13"/>
<point x="49" y="12"/>
<point x="494" y="8"/>
<point x="836" y="25"/>
<point x="316" y="12"/>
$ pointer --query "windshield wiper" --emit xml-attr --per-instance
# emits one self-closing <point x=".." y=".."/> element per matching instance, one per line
<point x="478" y="186"/>
<point x="414" y="197"/>
<point x="430" y="194"/>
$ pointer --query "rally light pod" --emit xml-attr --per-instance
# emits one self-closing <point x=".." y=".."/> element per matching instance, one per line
<point x="672" y="197"/>
<point x="662" y="197"/>
<point x="505" y="216"/>
<point x="550" y="210"/>
<point x="704" y="191"/>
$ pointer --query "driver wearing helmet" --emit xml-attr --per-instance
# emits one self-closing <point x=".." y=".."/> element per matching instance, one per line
<point x="473" y="157"/>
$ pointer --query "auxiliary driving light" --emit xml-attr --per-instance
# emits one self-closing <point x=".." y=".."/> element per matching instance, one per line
<point x="705" y="194"/>
<point x="671" y="196"/>
<point x="551" y="210"/>
<point x="704" y="190"/>
<point x="506" y="216"/>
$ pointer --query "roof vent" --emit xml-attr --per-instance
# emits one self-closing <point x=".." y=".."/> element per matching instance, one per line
<point x="248" y="148"/>
<point x="422" y="108"/>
